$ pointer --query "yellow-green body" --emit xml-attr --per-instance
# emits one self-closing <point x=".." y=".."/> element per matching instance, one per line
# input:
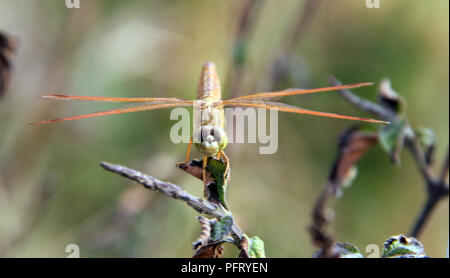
<point x="210" y="137"/>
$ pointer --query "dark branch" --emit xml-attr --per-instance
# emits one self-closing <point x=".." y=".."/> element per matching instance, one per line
<point x="321" y="220"/>
<point x="437" y="186"/>
<point x="362" y="104"/>
<point x="174" y="191"/>
<point x="444" y="170"/>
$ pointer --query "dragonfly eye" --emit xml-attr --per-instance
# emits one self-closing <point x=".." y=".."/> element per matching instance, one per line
<point x="203" y="133"/>
<point x="218" y="134"/>
<point x="206" y="133"/>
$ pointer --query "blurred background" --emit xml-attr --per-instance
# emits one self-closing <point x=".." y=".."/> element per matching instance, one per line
<point x="53" y="191"/>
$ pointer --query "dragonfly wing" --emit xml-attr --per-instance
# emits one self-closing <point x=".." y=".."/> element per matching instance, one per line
<point x="294" y="109"/>
<point x="108" y="99"/>
<point x="121" y="110"/>
<point x="291" y="92"/>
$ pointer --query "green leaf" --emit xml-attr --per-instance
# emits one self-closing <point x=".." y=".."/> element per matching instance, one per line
<point x="426" y="136"/>
<point x="216" y="183"/>
<point x="221" y="229"/>
<point x="347" y="250"/>
<point x="427" y="141"/>
<point x="391" y="138"/>
<point x="256" y="247"/>
<point x="401" y="246"/>
<point x="216" y="168"/>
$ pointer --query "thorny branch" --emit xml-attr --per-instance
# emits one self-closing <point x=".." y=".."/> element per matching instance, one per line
<point x="176" y="192"/>
<point x="436" y="185"/>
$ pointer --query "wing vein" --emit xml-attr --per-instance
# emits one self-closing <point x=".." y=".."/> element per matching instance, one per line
<point x="294" y="109"/>
<point x="121" y="110"/>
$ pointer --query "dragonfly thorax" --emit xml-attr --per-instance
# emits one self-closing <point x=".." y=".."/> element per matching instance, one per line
<point x="210" y="139"/>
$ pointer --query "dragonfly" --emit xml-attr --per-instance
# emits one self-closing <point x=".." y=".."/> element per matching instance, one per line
<point x="209" y="138"/>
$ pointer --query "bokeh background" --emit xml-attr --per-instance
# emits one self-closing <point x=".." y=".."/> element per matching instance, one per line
<point x="53" y="191"/>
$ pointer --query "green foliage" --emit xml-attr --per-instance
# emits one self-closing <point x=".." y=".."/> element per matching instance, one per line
<point x="391" y="139"/>
<point x="347" y="250"/>
<point x="256" y="247"/>
<point x="216" y="180"/>
<point x="427" y="141"/>
<point x="221" y="229"/>
<point x="398" y="246"/>
<point x="401" y="246"/>
<point x="216" y="168"/>
<point x="426" y="136"/>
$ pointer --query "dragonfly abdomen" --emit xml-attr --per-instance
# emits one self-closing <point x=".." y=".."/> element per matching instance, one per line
<point x="209" y="84"/>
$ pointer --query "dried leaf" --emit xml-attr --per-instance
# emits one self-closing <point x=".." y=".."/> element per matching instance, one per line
<point x="7" y="46"/>
<point x="390" y="99"/>
<point x="352" y="145"/>
<point x="216" y="184"/>
<point x="244" y="248"/>
<point x="401" y="246"/>
<point x="209" y="251"/>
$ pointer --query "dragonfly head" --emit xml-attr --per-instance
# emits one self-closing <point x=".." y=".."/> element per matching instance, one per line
<point x="210" y="139"/>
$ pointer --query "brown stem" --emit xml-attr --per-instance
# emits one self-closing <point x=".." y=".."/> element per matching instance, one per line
<point x="176" y="192"/>
<point x="320" y="237"/>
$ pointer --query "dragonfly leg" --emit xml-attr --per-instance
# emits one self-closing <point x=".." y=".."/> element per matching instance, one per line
<point x="227" y="163"/>
<point x="188" y="153"/>
<point x="205" y="163"/>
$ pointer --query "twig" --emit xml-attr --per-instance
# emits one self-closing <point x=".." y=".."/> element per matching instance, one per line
<point x="437" y="186"/>
<point x="174" y="191"/>
<point x="437" y="189"/>
<point x="299" y="28"/>
<point x="444" y="170"/>
<point x="413" y="145"/>
<point x="321" y="238"/>
<point x="362" y="104"/>
<point x="247" y="17"/>
<point x="205" y="226"/>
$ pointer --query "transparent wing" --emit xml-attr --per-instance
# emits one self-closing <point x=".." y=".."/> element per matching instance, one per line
<point x="109" y="99"/>
<point x="291" y="92"/>
<point x="292" y="109"/>
<point x="122" y="109"/>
